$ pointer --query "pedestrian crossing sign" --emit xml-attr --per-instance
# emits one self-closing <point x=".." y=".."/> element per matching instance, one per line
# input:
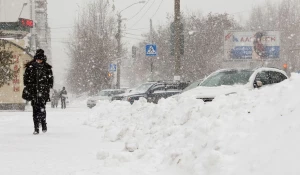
<point x="151" y="50"/>
<point x="112" y="68"/>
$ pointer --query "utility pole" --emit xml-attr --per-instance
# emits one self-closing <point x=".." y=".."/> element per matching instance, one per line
<point x="32" y="31"/>
<point x="118" y="37"/>
<point x="151" y="41"/>
<point x="177" y="24"/>
<point x="119" y="51"/>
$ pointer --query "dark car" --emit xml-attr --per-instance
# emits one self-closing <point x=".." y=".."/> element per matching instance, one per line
<point x="152" y="91"/>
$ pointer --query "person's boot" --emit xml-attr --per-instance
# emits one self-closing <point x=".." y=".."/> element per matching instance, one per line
<point x="44" y="127"/>
<point x="36" y="131"/>
<point x="36" y="128"/>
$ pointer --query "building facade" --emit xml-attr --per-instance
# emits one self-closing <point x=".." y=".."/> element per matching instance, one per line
<point x="11" y="93"/>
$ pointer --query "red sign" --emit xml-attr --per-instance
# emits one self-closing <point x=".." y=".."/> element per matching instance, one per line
<point x="26" y="22"/>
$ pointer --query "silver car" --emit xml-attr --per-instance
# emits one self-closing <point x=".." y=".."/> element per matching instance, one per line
<point x="103" y="95"/>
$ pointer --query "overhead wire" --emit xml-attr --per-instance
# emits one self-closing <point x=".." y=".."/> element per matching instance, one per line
<point x="157" y="9"/>
<point x="139" y="10"/>
<point x="133" y="34"/>
<point x="139" y="29"/>
<point x="134" y="38"/>
<point x="144" y="14"/>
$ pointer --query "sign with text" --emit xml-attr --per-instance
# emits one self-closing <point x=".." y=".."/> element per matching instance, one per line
<point x="26" y="22"/>
<point x="241" y="45"/>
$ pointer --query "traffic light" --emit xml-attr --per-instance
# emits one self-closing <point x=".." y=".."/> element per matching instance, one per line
<point x="134" y="51"/>
<point x="285" y="66"/>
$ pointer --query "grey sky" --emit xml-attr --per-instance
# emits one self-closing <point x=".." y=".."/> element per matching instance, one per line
<point x="63" y="12"/>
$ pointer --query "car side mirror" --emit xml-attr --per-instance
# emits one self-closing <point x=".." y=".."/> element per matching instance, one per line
<point x="258" y="84"/>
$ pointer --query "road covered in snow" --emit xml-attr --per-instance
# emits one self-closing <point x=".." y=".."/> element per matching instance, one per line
<point x="251" y="132"/>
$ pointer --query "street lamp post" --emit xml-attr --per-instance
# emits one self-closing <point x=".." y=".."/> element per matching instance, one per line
<point x="24" y="4"/>
<point x="118" y="37"/>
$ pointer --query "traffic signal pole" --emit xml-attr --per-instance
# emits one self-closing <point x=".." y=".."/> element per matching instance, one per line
<point x="151" y="41"/>
<point x="119" y="52"/>
<point x="177" y="38"/>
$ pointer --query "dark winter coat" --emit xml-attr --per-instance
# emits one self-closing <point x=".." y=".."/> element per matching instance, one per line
<point x="38" y="80"/>
<point x="63" y="94"/>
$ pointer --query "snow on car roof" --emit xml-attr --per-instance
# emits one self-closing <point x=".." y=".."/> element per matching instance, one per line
<point x="162" y="91"/>
<point x="110" y="90"/>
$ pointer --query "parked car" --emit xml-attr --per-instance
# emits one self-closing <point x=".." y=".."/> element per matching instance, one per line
<point x="152" y="91"/>
<point x="230" y="81"/>
<point x="103" y="95"/>
<point x="192" y="85"/>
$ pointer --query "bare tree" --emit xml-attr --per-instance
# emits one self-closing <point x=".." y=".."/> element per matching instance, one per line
<point x="92" y="47"/>
<point x="285" y="18"/>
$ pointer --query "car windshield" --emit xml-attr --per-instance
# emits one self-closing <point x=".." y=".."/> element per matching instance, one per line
<point x="229" y="78"/>
<point x="105" y="93"/>
<point x="143" y="88"/>
<point x="193" y="85"/>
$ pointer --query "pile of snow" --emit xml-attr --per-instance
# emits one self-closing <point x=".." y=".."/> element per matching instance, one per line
<point x="252" y="132"/>
<point x="78" y="100"/>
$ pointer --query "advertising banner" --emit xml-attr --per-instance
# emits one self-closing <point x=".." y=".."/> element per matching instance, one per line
<point x="241" y="45"/>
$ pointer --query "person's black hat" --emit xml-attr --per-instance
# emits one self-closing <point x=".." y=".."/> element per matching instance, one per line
<point x="40" y="55"/>
<point x="40" y="52"/>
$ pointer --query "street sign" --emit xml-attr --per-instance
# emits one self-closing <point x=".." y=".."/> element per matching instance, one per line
<point x="151" y="50"/>
<point x="251" y="45"/>
<point x="26" y="22"/>
<point x="112" y="68"/>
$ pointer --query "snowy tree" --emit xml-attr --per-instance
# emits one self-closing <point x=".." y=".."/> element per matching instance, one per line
<point x="285" y="18"/>
<point x="92" y="48"/>
<point x="6" y="71"/>
<point x="203" y="47"/>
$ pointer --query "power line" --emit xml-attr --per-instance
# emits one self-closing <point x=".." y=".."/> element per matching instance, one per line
<point x="139" y="10"/>
<point x="157" y="9"/>
<point x="139" y="29"/>
<point x="133" y="34"/>
<point x="134" y="38"/>
<point x="62" y="27"/>
<point x="144" y="14"/>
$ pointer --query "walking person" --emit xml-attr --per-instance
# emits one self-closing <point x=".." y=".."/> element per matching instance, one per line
<point x="38" y="80"/>
<point x="63" y="96"/>
<point x="56" y="98"/>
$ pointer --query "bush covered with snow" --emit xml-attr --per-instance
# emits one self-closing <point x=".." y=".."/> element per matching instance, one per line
<point x="251" y="132"/>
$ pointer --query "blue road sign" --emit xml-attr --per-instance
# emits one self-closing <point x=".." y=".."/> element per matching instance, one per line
<point x="112" y="68"/>
<point x="151" y="50"/>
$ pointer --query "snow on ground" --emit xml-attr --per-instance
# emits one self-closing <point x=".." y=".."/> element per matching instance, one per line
<point x="69" y="147"/>
<point x="252" y="132"/>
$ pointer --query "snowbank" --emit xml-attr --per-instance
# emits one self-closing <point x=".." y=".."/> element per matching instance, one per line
<point x="78" y="100"/>
<point x="252" y="132"/>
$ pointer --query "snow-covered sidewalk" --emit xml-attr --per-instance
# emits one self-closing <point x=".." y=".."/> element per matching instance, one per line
<point x="67" y="148"/>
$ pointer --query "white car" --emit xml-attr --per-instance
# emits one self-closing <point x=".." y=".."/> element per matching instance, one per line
<point x="230" y="81"/>
<point x="103" y="95"/>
